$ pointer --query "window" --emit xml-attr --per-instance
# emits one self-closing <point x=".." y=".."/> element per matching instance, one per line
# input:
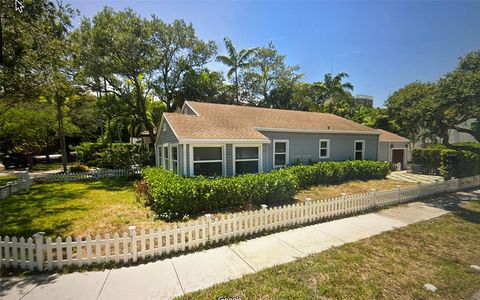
<point x="280" y="153"/>
<point x="175" y="159"/>
<point x="324" y="148"/>
<point x="160" y="156"/>
<point x="247" y="160"/>
<point x="166" y="160"/>
<point x="208" y="161"/>
<point x="359" y="150"/>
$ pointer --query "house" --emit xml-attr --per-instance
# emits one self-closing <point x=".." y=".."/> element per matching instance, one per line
<point x="217" y="139"/>
<point x="461" y="137"/>
<point x="393" y="148"/>
<point x="364" y="100"/>
<point x="145" y="138"/>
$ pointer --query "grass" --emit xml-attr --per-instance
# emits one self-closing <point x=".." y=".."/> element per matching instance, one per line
<point x="5" y="179"/>
<point x="75" y="208"/>
<point x="47" y="167"/>
<point x="392" y="265"/>
<point x="352" y="187"/>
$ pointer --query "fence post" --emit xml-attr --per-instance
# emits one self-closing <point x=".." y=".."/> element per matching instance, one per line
<point x="308" y="203"/>
<point x="39" y="249"/>
<point x="264" y="217"/>
<point x="209" y="227"/>
<point x="133" y="237"/>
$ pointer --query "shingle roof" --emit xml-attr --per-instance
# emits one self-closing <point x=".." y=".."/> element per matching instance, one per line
<point x="387" y="136"/>
<point x="221" y="121"/>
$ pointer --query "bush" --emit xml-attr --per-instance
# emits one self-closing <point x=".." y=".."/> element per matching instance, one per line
<point x="427" y="161"/>
<point x="113" y="156"/>
<point x="459" y="164"/>
<point x="173" y="196"/>
<point x="78" y="168"/>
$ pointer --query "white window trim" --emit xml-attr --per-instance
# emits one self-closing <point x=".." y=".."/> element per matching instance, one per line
<point x="355" y="148"/>
<point x="158" y="157"/>
<point x="320" y="148"/>
<point x="287" y="156"/>
<point x="259" y="159"/>
<point x="170" y="156"/>
<point x="164" y="160"/>
<point x="201" y="145"/>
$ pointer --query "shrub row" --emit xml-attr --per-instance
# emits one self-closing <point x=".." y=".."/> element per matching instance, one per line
<point x="113" y="156"/>
<point x="449" y="163"/>
<point x="172" y="196"/>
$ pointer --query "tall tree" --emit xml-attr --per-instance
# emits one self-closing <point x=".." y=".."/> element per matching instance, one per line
<point x="31" y="41"/>
<point x="269" y="71"/>
<point x="408" y="108"/>
<point x="332" y="89"/>
<point x="236" y="61"/>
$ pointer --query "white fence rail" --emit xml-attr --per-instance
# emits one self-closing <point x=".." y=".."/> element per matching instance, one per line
<point x="77" y="176"/>
<point x="38" y="253"/>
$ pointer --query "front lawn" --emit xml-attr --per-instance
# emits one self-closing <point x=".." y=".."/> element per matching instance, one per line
<point x="75" y="208"/>
<point x="351" y="187"/>
<point x="392" y="265"/>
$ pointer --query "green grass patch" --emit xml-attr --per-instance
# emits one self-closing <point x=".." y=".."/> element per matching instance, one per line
<point x="75" y="208"/>
<point x="47" y="167"/>
<point x="5" y="179"/>
<point x="392" y="265"/>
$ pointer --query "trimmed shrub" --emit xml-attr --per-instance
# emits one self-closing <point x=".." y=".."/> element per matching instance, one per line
<point x="114" y="156"/>
<point x="172" y="196"/>
<point x="426" y="161"/>
<point x="78" y="168"/>
<point x="459" y="164"/>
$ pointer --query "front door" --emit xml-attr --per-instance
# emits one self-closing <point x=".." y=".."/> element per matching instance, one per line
<point x="397" y="156"/>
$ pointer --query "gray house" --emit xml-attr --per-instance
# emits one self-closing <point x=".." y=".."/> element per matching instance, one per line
<point x="216" y="139"/>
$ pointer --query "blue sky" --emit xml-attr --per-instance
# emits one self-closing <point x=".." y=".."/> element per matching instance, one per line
<point x="382" y="45"/>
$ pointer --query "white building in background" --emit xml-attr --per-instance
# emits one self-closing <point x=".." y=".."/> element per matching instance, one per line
<point x="364" y="100"/>
<point x="460" y="137"/>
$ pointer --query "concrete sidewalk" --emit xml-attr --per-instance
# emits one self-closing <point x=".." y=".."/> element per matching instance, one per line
<point x="165" y="279"/>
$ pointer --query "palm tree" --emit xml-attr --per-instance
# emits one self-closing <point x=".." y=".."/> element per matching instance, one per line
<point x="332" y="89"/>
<point x="235" y="60"/>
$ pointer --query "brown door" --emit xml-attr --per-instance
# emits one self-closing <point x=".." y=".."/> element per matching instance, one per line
<point x="397" y="156"/>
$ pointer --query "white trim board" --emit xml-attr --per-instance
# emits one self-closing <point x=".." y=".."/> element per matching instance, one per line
<point x="317" y="131"/>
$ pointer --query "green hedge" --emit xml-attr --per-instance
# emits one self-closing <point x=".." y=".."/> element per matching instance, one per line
<point x="172" y="196"/>
<point x="459" y="164"/>
<point x="428" y="159"/>
<point x="113" y="156"/>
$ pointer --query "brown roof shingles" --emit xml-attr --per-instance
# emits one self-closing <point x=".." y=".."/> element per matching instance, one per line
<point x="221" y="121"/>
<point x="387" y="136"/>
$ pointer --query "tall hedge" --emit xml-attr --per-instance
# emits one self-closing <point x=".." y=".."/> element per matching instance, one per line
<point x="459" y="164"/>
<point x="173" y="196"/>
<point x="427" y="160"/>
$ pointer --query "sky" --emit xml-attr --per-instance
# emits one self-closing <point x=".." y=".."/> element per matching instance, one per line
<point x="382" y="45"/>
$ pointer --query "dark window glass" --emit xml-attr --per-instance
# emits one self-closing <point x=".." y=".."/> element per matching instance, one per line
<point x="246" y="152"/>
<point x="323" y="152"/>
<point x="358" y="155"/>
<point x="280" y="147"/>
<point x="174" y="153"/>
<point x="280" y="159"/>
<point x="166" y="152"/>
<point x="175" y="167"/>
<point x="208" y="169"/>
<point x="244" y="167"/>
<point x="323" y="144"/>
<point x="207" y="153"/>
<point x="359" y="146"/>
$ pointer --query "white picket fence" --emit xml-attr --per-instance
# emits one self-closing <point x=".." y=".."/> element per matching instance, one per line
<point x="14" y="187"/>
<point x="77" y="176"/>
<point x="38" y="253"/>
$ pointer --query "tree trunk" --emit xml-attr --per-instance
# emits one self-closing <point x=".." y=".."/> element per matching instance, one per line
<point x="237" y="98"/>
<point x="61" y="131"/>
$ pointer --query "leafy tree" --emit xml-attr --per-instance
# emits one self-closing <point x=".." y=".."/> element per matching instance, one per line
<point x="269" y="71"/>
<point x="32" y="41"/>
<point x="237" y="61"/>
<point x="203" y="85"/>
<point x="408" y="107"/>
<point x="332" y="89"/>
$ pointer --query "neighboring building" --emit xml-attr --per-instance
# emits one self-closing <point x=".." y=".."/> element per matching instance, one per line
<point x="145" y="138"/>
<point x="460" y="137"/>
<point x="216" y="139"/>
<point x="364" y="100"/>
<point x="393" y="148"/>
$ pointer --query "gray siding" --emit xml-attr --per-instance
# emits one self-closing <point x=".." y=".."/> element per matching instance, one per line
<point x="384" y="149"/>
<point x="167" y="136"/>
<point x="304" y="147"/>
<point x="188" y="111"/>
<point x="266" y="158"/>
<point x="188" y="160"/>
